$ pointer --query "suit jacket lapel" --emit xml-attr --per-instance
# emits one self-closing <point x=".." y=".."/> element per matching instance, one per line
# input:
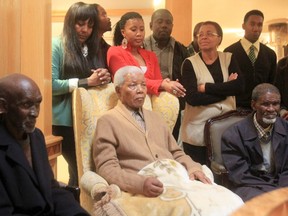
<point x="243" y="52"/>
<point x="279" y="134"/>
<point x="15" y="153"/>
<point x="250" y="137"/>
<point x="40" y="156"/>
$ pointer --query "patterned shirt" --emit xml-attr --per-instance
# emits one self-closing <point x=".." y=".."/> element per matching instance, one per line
<point x="265" y="135"/>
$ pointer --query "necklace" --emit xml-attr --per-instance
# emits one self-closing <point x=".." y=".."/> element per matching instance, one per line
<point x="84" y="50"/>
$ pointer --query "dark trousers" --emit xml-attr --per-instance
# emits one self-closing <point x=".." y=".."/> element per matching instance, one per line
<point x="68" y="151"/>
<point x="197" y="153"/>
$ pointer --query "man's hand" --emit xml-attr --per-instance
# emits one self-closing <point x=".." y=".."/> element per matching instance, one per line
<point x="199" y="175"/>
<point x="152" y="187"/>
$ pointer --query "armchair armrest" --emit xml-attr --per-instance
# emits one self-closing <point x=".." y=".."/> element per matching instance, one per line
<point x="91" y="180"/>
<point x="98" y="187"/>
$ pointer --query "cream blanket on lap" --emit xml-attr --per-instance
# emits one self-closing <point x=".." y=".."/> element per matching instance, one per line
<point x="181" y="196"/>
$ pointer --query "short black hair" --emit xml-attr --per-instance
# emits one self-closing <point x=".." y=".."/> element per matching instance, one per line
<point x="262" y="89"/>
<point x="251" y="13"/>
<point x="161" y="11"/>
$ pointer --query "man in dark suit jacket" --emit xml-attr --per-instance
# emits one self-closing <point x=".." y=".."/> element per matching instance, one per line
<point x="27" y="185"/>
<point x="170" y="52"/>
<point x="281" y="82"/>
<point x="263" y="70"/>
<point x="255" y="150"/>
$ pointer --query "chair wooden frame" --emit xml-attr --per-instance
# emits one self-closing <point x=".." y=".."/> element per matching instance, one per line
<point x="214" y="159"/>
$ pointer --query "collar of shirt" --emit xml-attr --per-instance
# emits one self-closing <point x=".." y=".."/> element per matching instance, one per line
<point x="134" y="111"/>
<point x="262" y="132"/>
<point x="154" y="43"/>
<point x="247" y="44"/>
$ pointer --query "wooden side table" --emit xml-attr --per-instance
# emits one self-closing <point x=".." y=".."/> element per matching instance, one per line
<point x="54" y="149"/>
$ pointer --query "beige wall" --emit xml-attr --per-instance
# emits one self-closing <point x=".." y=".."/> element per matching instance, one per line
<point x="230" y="13"/>
<point x="144" y="7"/>
<point x="25" y="27"/>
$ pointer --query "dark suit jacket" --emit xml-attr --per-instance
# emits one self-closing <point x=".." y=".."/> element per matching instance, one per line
<point x="264" y="70"/>
<point x="27" y="191"/>
<point x="281" y="81"/>
<point x="180" y="54"/>
<point x="241" y="150"/>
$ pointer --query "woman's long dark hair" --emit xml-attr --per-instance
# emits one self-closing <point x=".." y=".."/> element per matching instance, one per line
<point x="75" y="65"/>
<point x="118" y="37"/>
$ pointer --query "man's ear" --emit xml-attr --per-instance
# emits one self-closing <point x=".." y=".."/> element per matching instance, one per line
<point x="253" y="105"/>
<point x="3" y="106"/>
<point x="117" y="89"/>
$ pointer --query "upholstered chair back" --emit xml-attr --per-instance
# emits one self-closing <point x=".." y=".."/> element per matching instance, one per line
<point x="213" y="131"/>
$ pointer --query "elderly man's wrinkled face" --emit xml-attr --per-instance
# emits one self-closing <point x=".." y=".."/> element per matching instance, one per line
<point x="23" y="109"/>
<point x="133" y="91"/>
<point x="267" y="108"/>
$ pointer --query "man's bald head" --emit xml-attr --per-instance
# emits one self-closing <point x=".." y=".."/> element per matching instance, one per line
<point x="13" y="84"/>
<point x="20" y="99"/>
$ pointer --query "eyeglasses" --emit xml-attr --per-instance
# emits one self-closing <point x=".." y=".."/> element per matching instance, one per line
<point x="208" y="34"/>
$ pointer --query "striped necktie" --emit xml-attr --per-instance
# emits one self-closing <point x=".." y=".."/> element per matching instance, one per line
<point x="139" y="119"/>
<point x="251" y="54"/>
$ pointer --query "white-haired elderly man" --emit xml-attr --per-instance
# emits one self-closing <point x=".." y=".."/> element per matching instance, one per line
<point x="130" y="142"/>
<point x="129" y="137"/>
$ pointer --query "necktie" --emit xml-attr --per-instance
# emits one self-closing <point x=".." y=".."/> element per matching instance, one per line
<point x="139" y="119"/>
<point x="251" y="54"/>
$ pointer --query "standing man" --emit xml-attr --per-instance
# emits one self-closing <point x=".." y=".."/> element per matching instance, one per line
<point x="257" y="61"/>
<point x="255" y="150"/>
<point x="170" y="53"/>
<point x="281" y="82"/>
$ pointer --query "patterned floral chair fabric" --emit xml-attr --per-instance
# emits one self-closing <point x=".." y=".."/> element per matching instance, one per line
<point x="87" y="106"/>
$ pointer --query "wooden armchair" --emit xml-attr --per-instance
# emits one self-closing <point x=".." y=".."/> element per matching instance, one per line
<point x="87" y="106"/>
<point x="213" y="131"/>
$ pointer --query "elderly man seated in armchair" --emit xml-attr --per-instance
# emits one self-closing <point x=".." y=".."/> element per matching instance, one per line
<point x="134" y="149"/>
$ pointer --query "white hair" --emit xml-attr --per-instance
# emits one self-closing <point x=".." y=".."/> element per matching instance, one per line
<point x="120" y="74"/>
